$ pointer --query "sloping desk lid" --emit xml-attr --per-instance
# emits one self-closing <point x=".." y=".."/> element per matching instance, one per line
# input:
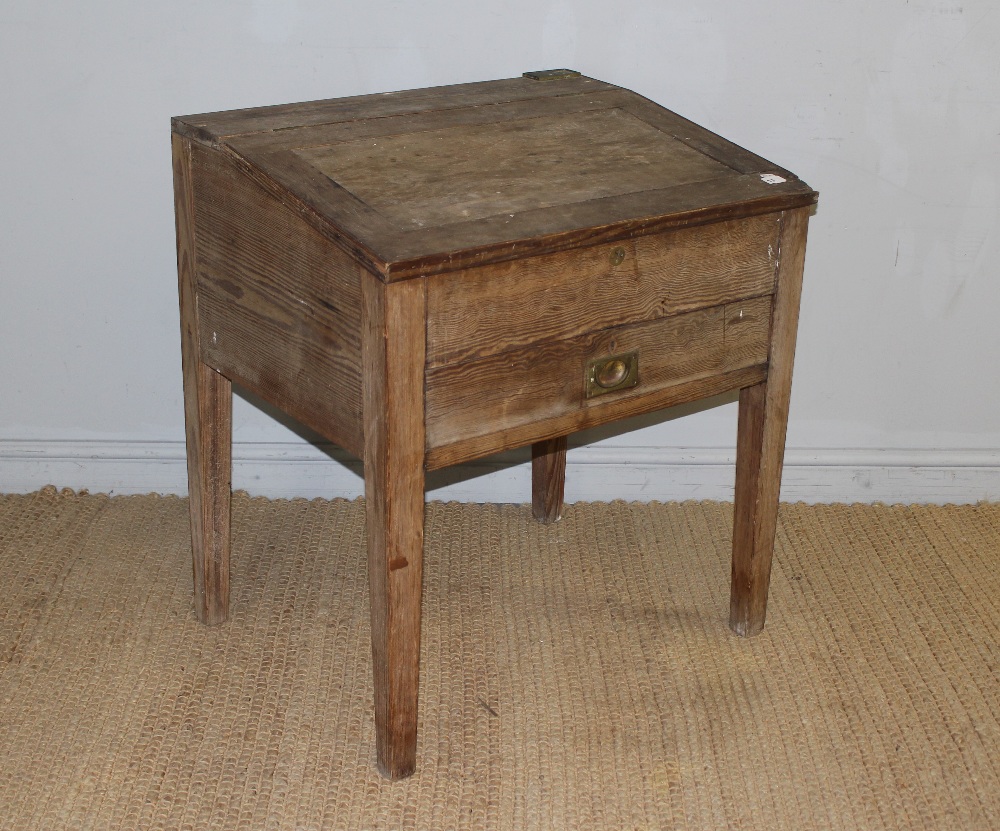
<point x="438" y="179"/>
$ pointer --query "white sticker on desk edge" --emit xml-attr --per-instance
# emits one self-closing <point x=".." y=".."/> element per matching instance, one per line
<point x="772" y="178"/>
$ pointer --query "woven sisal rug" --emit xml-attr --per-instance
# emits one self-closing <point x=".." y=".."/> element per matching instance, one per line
<point x="576" y="676"/>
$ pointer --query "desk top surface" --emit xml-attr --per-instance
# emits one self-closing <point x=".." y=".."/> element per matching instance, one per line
<point x="449" y="177"/>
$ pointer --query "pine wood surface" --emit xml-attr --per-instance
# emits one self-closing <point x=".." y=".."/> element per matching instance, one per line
<point x="548" y="479"/>
<point x="760" y="447"/>
<point x="492" y="169"/>
<point x="393" y="355"/>
<point x="214" y="126"/>
<point x="279" y="305"/>
<point x="425" y="277"/>
<point x="565" y="295"/>
<point x="616" y="409"/>
<point x="208" y="416"/>
<point x="545" y="380"/>
<point x="686" y="175"/>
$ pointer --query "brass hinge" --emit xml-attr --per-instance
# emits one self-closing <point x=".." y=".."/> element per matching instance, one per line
<point x="551" y="74"/>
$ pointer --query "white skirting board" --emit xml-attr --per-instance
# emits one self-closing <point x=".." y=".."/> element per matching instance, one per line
<point x="594" y="473"/>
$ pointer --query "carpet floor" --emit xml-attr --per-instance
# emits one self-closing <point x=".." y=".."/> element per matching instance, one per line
<point x="575" y="676"/>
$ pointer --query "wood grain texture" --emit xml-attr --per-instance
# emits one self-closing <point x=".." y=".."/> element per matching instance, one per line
<point x="423" y="278"/>
<point x="364" y="173"/>
<point x="477" y="446"/>
<point x="300" y="141"/>
<point x="546" y="380"/>
<point x="393" y="350"/>
<point x="427" y="178"/>
<point x="609" y="220"/>
<point x="548" y="479"/>
<point x="211" y="127"/>
<point x="760" y="451"/>
<point x="704" y="140"/>
<point x="279" y="305"/>
<point x="563" y="295"/>
<point x="207" y="416"/>
<point x="283" y="162"/>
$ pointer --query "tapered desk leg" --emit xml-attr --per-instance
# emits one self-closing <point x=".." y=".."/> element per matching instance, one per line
<point x="548" y="479"/>
<point x="760" y="444"/>
<point x="208" y="414"/>
<point x="208" y="408"/>
<point x="393" y="358"/>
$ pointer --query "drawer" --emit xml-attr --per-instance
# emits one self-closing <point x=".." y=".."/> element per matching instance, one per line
<point x="492" y="309"/>
<point x="525" y="394"/>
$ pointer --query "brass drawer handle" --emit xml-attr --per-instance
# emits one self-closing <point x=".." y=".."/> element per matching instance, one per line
<point x="612" y="373"/>
<point x="617" y="255"/>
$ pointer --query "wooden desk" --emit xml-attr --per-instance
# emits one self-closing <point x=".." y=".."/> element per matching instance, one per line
<point x="428" y="277"/>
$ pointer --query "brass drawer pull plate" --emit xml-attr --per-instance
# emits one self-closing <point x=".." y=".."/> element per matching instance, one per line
<point x="612" y="373"/>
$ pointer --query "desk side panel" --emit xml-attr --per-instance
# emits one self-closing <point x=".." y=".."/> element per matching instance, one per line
<point x="279" y="305"/>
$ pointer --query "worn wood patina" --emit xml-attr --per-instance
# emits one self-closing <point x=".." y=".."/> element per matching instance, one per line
<point x="431" y="276"/>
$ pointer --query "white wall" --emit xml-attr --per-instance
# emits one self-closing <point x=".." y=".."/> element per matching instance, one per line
<point x="891" y="110"/>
